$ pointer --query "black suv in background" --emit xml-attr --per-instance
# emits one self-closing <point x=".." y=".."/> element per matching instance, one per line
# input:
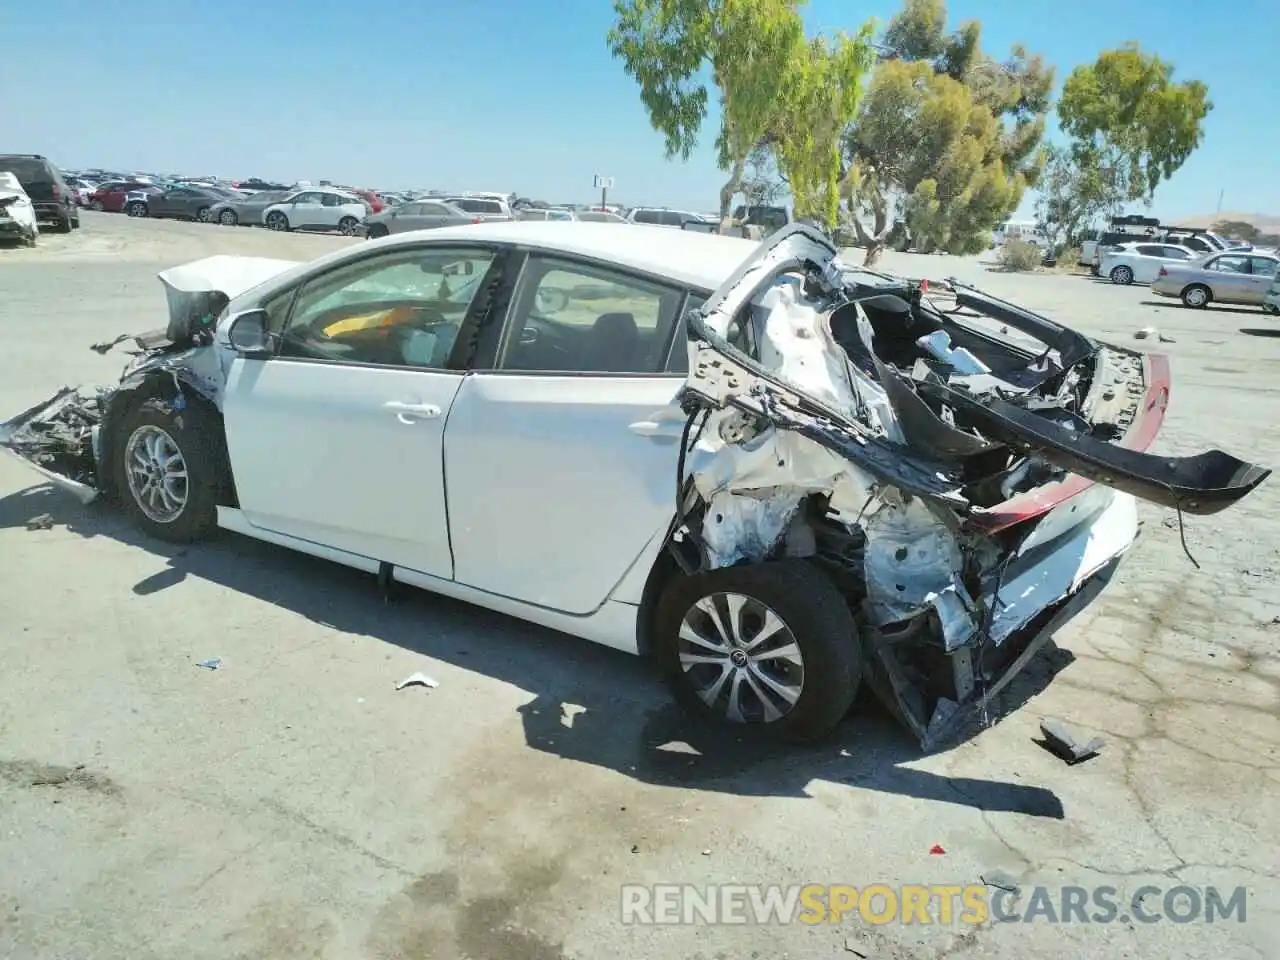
<point x="53" y="200"/>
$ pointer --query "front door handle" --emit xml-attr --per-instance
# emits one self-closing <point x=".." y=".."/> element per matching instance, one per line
<point x="660" y="429"/>
<point x="409" y="412"/>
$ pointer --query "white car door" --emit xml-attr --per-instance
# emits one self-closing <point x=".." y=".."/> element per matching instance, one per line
<point x="306" y="210"/>
<point x="560" y="460"/>
<point x="337" y="438"/>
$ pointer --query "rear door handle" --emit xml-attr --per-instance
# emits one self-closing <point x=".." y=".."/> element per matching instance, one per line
<point x="409" y="412"/>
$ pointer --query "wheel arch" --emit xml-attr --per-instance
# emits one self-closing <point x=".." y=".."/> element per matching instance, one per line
<point x="158" y="385"/>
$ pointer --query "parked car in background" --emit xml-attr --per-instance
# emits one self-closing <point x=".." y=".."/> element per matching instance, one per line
<point x="546" y="213"/>
<point x="135" y="201"/>
<point x="368" y="196"/>
<point x="179" y="203"/>
<point x="1025" y="230"/>
<point x="662" y="217"/>
<point x="83" y="190"/>
<point x="111" y="196"/>
<point x="17" y="213"/>
<point x="317" y="208"/>
<point x="52" y="199"/>
<point x="1271" y="302"/>
<point x="599" y="216"/>
<point x="417" y="215"/>
<point x="256" y="185"/>
<point x="1229" y="277"/>
<point x="1141" y="262"/>
<point x="486" y="209"/>
<point x="246" y="209"/>
<point x="767" y="218"/>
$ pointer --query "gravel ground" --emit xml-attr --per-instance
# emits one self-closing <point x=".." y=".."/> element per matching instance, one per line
<point x="292" y="804"/>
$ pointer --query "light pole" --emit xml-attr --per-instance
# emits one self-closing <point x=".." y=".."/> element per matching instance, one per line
<point x="604" y="185"/>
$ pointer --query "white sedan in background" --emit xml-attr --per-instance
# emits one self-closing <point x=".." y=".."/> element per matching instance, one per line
<point x="318" y="209"/>
<point x="1140" y="262"/>
<point x="701" y="449"/>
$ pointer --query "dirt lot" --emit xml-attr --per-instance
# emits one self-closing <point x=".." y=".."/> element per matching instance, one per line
<point x="292" y="804"/>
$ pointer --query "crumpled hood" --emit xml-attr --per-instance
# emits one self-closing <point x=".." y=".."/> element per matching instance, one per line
<point x="198" y="291"/>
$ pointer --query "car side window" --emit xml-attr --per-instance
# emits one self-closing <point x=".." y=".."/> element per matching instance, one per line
<point x="1150" y="250"/>
<point x="400" y="309"/>
<point x="1174" y="253"/>
<point x="646" y="216"/>
<point x="576" y="318"/>
<point x="1230" y="264"/>
<point x="1263" y="266"/>
<point x="307" y="198"/>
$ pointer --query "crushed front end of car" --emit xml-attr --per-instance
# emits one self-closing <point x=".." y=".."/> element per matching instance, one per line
<point x="965" y="471"/>
<point x="66" y="437"/>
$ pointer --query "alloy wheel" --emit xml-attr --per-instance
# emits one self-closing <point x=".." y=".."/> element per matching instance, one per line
<point x="741" y="658"/>
<point x="157" y="473"/>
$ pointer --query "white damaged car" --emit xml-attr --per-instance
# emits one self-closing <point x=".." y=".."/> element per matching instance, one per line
<point x="776" y="476"/>
<point x="17" y="215"/>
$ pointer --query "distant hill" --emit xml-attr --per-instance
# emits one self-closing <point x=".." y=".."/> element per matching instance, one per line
<point x="1267" y="223"/>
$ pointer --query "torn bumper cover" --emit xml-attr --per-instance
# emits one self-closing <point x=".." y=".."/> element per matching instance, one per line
<point x="64" y="437"/>
<point x="964" y="469"/>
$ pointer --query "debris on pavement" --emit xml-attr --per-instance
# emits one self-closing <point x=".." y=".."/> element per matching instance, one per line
<point x="852" y="946"/>
<point x="936" y="850"/>
<point x="1152" y="332"/>
<point x="417" y="680"/>
<point x="42" y="522"/>
<point x="213" y="663"/>
<point x="1060" y="741"/>
<point x="1000" y="880"/>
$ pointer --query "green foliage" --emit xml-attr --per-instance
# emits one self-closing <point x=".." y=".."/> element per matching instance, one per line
<point x="824" y="84"/>
<point x="1076" y="190"/>
<point x="1238" y="230"/>
<point x="1020" y="255"/>
<point x="667" y="46"/>
<point x="952" y="132"/>
<point x="1126" y="108"/>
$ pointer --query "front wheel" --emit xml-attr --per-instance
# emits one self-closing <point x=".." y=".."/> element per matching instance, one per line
<point x="348" y="226"/>
<point x="770" y="649"/>
<point x="167" y="469"/>
<point x="277" y="221"/>
<point x="228" y="218"/>
<point x="95" y="205"/>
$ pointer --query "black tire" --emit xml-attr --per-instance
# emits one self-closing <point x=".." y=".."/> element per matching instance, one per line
<point x="277" y="221"/>
<point x="1122" y="274"/>
<point x="62" y="226"/>
<point x="378" y="230"/>
<point x="1095" y="270"/>
<point x="348" y="226"/>
<point x="196" y="431"/>
<point x="202" y="215"/>
<point x="811" y="607"/>
<point x="1196" y="296"/>
<point x="75" y="223"/>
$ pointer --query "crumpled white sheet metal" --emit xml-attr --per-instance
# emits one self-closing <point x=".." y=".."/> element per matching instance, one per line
<point x="19" y="209"/>
<point x="224" y="273"/>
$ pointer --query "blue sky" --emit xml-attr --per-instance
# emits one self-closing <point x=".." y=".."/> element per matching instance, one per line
<point x="498" y="94"/>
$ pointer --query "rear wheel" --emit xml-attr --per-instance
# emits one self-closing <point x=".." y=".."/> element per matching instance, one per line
<point x="136" y="209"/>
<point x="63" y="225"/>
<point x="167" y="469"/>
<point x="202" y="215"/>
<point x="1196" y="296"/>
<point x="769" y="649"/>
<point x="277" y="221"/>
<point x="1122" y="274"/>
<point x="95" y="205"/>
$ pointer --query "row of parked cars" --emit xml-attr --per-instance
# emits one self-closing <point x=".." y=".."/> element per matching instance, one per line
<point x="33" y="191"/>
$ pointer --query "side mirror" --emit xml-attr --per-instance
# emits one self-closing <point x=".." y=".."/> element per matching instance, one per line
<point x="249" y="336"/>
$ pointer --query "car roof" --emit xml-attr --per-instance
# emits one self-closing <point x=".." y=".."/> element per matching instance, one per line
<point x="696" y="259"/>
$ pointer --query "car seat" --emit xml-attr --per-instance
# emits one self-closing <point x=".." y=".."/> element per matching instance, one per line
<point x="613" y="345"/>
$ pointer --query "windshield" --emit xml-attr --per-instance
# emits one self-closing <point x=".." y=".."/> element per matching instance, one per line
<point x="25" y="168"/>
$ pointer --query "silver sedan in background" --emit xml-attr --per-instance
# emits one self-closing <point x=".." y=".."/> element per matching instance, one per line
<point x="245" y="210"/>
<point x="1231" y="277"/>
<point x="416" y="215"/>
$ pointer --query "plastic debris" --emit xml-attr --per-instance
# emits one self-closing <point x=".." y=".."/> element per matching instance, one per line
<point x="1146" y="332"/>
<point x="937" y="850"/>
<point x="1060" y="741"/>
<point x="417" y="680"/>
<point x="213" y="663"/>
<point x="1000" y="880"/>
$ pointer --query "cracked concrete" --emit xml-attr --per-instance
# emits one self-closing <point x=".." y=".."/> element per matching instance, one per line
<point x="292" y="805"/>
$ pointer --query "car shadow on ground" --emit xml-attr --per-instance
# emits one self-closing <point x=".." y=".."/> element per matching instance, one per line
<point x="621" y="716"/>
<point x="1261" y="331"/>
<point x="1212" y="308"/>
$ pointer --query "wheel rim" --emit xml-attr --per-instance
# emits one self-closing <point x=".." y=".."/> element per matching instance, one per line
<point x="227" y="217"/>
<point x="1123" y="275"/>
<point x="203" y="214"/>
<point x="348" y="227"/>
<point x="275" y="222"/>
<point x="741" y="658"/>
<point x="157" y="474"/>
<point x="1195" y="297"/>
<point x="96" y="205"/>
<point x="137" y="209"/>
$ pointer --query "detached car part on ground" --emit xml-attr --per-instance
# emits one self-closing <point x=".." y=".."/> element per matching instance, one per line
<point x="875" y="481"/>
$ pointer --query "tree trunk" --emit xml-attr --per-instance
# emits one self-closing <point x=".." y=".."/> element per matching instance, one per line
<point x="874" y="242"/>
<point x="731" y="188"/>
